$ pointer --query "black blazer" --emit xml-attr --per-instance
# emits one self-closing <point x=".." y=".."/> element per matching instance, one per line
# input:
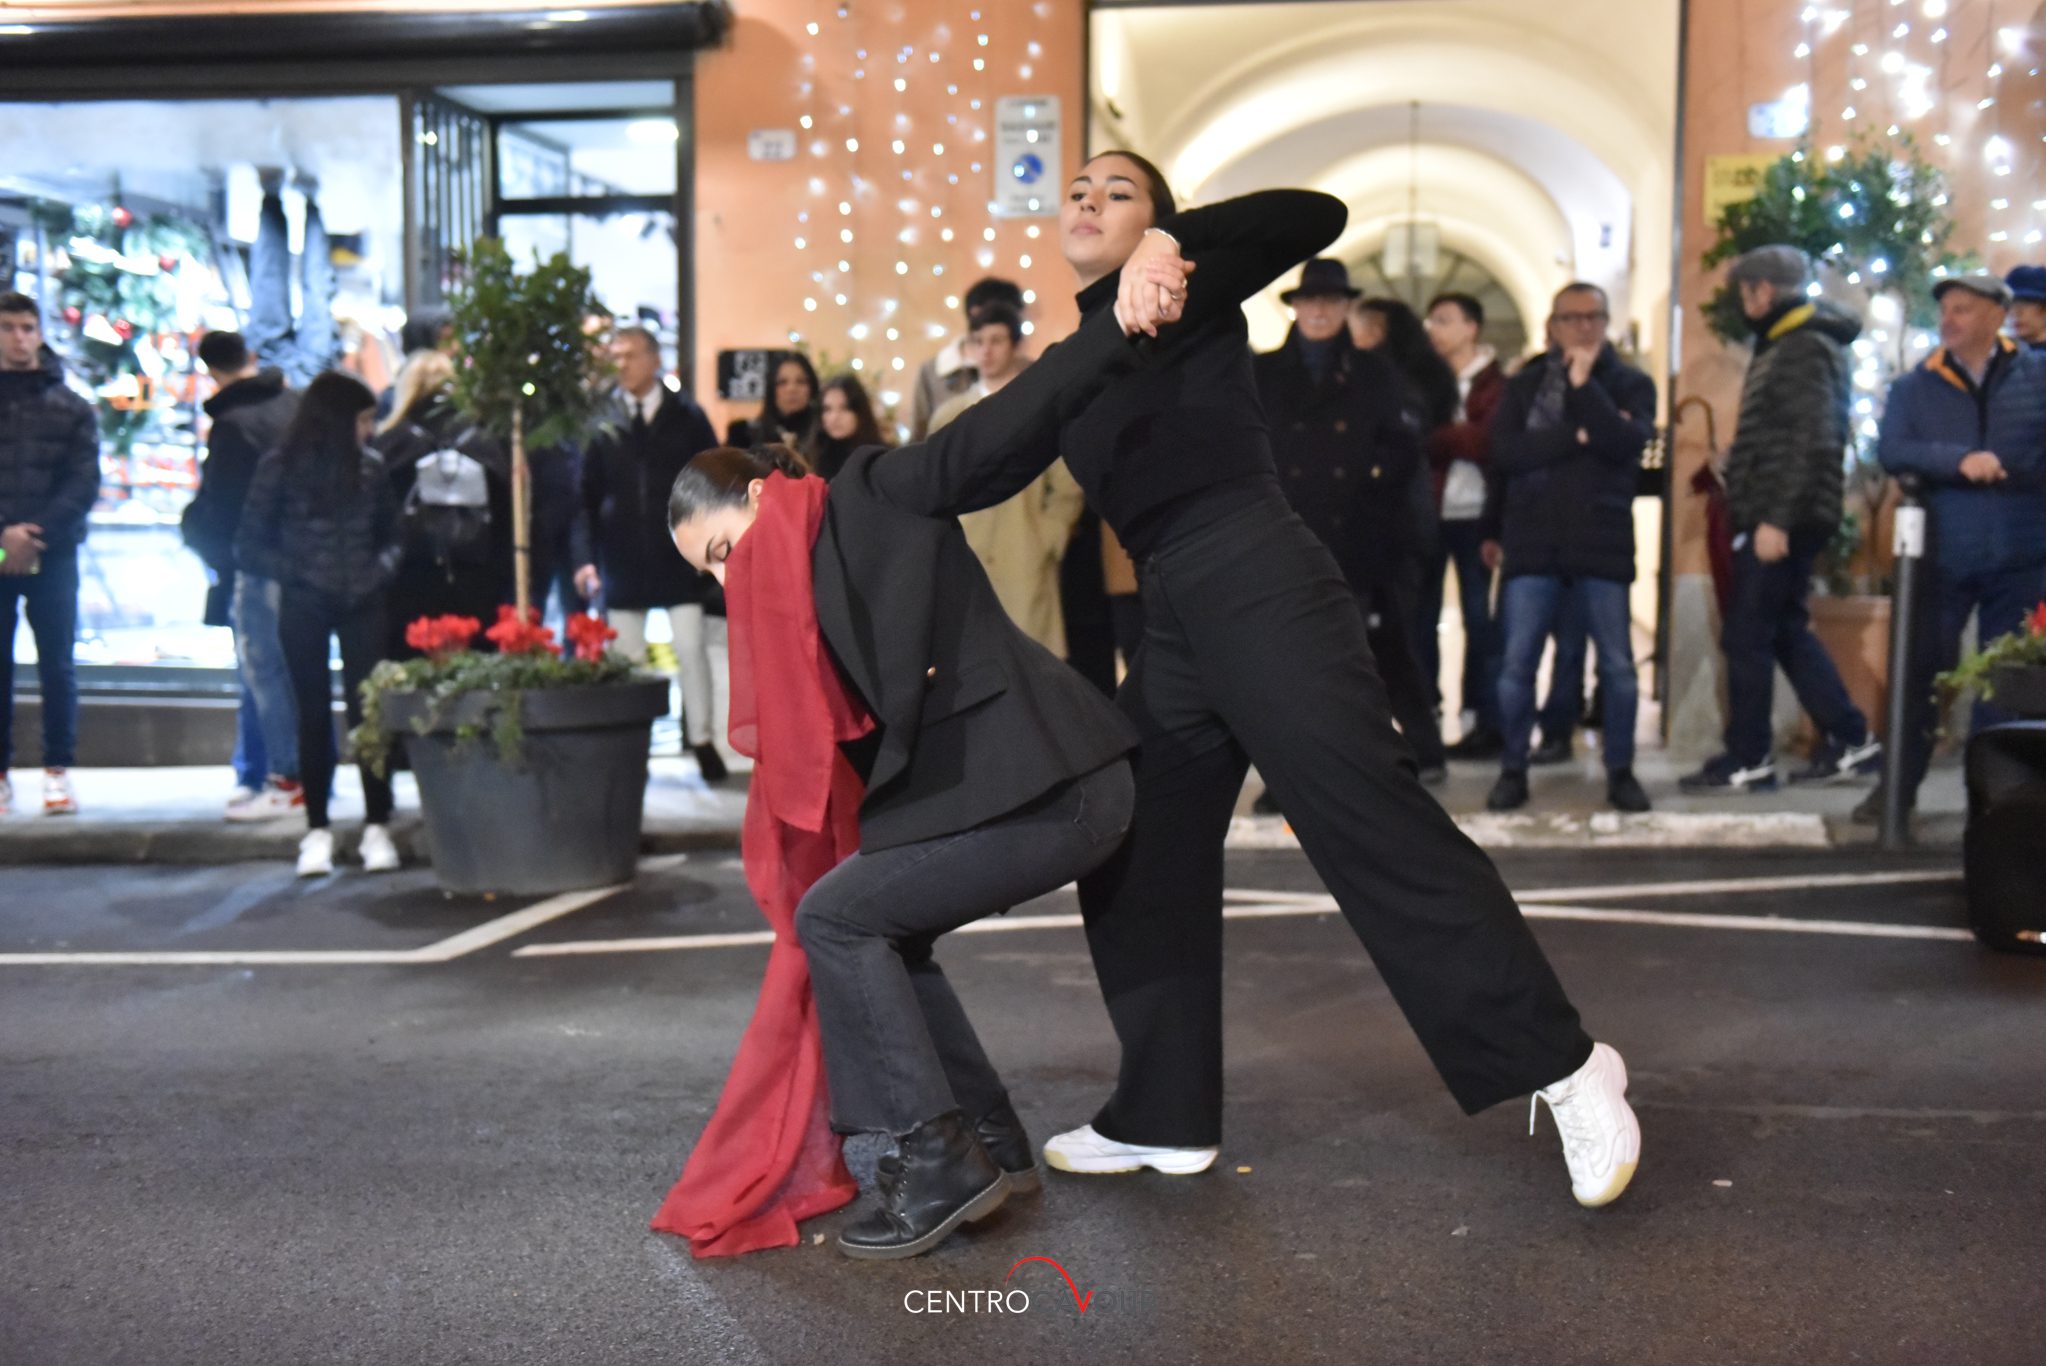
<point x="976" y="719"/>
<point x="622" y="526"/>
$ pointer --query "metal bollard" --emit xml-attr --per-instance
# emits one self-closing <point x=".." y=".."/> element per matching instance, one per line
<point x="1909" y="545"/>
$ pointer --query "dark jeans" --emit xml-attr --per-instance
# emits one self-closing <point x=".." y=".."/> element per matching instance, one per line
<point x="305" y="348"/>
<point x="2003" y="597"/>
<point x="1254" y="651"/>
<point x="1529" y="609"/>
<point x="1564" y="709"/>
<point x="306" y="620"/>
<point x="1767" y="624"/>
<point x="898" y="1049"/>
<point x="1461" y="544"/>
<point x="51" y="597"/>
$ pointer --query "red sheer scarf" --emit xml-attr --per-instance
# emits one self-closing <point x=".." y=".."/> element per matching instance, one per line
<point x="768" y="1158"/>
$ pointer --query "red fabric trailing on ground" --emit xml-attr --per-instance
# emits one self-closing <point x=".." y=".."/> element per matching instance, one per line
<point x="768" y="1158"/>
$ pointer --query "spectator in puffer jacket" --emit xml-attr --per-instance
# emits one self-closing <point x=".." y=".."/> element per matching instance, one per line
<point x="250" y="409"/>
<point x="1784" y="480"/>
<point x="321" y="520"/>
<point x="49" y="479"/>
<point x="1971" y="423"/>
<point x="1566" y="447"/>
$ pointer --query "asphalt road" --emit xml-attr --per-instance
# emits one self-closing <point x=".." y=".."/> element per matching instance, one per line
<point x="442" y="1150"/>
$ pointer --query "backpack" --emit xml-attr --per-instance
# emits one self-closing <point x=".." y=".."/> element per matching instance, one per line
<point x="447" y="513"/>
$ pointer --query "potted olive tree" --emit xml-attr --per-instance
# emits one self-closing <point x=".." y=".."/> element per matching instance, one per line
<point x="531" y="760"/>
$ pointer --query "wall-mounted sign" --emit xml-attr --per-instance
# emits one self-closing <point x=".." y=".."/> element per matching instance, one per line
<point x="771" y="144"/>
<point x="1733" y="180"/>
<point x="743" y="375"/>
<point x="1026" y="159"/>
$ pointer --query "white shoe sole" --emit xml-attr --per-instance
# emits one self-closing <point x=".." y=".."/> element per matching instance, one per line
<point x="1614" y="1188"/>
<point x="1170" y="1161"/>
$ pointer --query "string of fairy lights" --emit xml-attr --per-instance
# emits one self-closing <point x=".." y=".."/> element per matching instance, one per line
<point x="1901" y="78"/>
<point x="937" y="176"/>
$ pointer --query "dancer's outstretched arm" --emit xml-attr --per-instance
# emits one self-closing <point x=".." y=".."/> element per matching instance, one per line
<point x="996" y="448"/>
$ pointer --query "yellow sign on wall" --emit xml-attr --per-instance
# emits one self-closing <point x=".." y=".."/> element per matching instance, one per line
<point x="1733" y="180"/>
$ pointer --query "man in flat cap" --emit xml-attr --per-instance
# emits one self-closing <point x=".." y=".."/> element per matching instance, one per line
<point x="1971" y="424"/>
<point x="2028" y="305"/>
<point x="1784" y="487"/>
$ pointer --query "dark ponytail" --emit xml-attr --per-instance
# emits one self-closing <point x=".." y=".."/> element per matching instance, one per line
<point x="720" y="476"/>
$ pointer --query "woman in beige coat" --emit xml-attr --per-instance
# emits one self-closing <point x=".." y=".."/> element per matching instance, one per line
<point x="1020" y="542"/>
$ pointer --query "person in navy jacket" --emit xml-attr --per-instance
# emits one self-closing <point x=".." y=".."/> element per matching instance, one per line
<point x="1970" y="423"/>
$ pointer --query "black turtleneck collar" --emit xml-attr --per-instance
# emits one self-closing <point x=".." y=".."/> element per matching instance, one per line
<point x="1102" y="292"/>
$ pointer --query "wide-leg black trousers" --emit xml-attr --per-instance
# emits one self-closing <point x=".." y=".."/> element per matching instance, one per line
<point x="1254" y="650"/>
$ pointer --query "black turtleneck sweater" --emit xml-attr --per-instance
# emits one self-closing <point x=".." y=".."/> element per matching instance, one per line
<point x="1157" y="447"/>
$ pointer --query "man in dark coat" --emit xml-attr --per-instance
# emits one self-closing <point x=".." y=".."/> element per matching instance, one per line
<point x="1784" y="479"/>
<point x="49" y="480"/>
<point x="1347" y="440"/>
<point x="250" y="409"/>
<point x="621" y="535"/>
<point x="1970" y="423"/>
<point x="1566" y="448"/>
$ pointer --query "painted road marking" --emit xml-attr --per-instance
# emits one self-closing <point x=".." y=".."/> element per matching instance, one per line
<point x="1539" y="904"/>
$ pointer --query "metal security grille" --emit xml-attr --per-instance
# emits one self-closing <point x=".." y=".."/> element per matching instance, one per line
<point x="450" y="176"/>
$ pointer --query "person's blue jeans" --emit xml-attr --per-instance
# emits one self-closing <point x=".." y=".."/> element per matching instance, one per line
<point x="2003" y="597"/>
<point x="1461" y="544"/>
<point x="1529" y="609"/>
<point x="51" y="599"/>
<point x="1767" y="624"/>
<point x="267" y="728"/>
<point x="304" y="348"/>
<point x="1564" y="710"/>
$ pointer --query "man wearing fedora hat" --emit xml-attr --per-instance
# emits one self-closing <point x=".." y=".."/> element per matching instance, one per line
<point x="1347" y="440"/>
<point x="1970" y="422"/>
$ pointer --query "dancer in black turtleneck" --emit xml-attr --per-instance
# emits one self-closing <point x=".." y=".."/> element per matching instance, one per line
<point x="1254" y="650"/>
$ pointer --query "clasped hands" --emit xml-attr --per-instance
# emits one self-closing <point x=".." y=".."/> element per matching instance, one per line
<point x="1153" y="288"/>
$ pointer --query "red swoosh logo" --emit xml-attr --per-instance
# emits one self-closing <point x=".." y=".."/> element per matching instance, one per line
<point x="1078" y="1298"/>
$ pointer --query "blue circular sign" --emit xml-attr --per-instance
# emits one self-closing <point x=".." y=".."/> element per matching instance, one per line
<point x="1029" y="168"/>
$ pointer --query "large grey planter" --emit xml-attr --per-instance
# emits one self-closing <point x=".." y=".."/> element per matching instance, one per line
<point x="2021" y="690"/>
<point x="565" y="818"/>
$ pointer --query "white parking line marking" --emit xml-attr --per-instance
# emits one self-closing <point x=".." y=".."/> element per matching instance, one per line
<point x="445" y="951"/>
<point x="1539" y="904"/>
<point x="1735" y="885"/>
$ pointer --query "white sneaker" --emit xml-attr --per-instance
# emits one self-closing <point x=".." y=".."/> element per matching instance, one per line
<point x="240" y="797"/>
<point x="316" y="853"/>
<point x="277" y="798"/>
<point x="379" y="855"/>
<point x="1083" y="1150"/>
<point x="1601" y="1136"/>
<point x="58" y="798"/>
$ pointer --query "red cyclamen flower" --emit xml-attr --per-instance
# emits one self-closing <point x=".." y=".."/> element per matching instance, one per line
<point x="2036" y="623"/>
<point x="513" y="636"/>
<point x="439" y="637"/>
<point x="589" y="635"/>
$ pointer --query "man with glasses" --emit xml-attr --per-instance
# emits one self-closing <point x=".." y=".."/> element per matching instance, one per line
<point x="1566" y="449"/>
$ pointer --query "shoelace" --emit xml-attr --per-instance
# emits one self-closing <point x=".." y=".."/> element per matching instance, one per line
<point x="1579" y="1130"/>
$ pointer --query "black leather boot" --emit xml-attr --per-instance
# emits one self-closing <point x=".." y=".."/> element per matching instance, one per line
<point x="938" y="1178"/>
<point x="1001" y="1133"/>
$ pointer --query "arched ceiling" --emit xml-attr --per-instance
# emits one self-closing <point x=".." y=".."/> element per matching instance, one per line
<point x="1546" y="133"/>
